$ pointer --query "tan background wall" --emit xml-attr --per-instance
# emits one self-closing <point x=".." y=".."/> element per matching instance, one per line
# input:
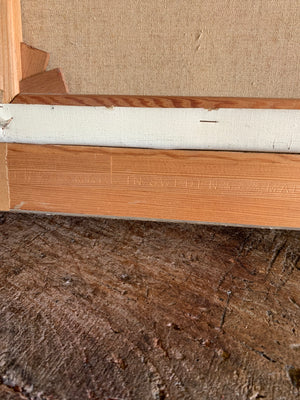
<point x="183" y="47"/>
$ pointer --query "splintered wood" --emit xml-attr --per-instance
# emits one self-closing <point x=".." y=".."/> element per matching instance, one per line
<point x="34" y="61"/>
<point x="45" y="82"/>
<point x="204" y="186"/>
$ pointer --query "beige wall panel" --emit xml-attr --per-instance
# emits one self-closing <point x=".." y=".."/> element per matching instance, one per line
<point x="168" y="47"/>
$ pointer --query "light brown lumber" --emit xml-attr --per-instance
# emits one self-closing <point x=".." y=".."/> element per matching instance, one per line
<point x="4" y="189"/>
<point x="158" y="101"/>
<point x="206" y="186"/>
<point x="10" y="52"/>
<point x="46" y="82"/>
<point x="34" y="61"/>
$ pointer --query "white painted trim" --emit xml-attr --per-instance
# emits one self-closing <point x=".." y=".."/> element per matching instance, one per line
<point x="162" y="128"/>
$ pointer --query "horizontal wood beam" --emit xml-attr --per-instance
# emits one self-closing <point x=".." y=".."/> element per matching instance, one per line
<point x="158" y="101"/>
<point x="203" y="186"/>
<point x="160" y="128"/>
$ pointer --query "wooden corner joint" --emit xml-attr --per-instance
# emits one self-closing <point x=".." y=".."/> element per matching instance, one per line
<point x="22" y="67"/>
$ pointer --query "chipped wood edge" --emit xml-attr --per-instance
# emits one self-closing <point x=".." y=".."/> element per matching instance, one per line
<point x="10" y="48"/>
<point x="4" y="184"/>
<point x="34" y="61"/>
<point x="50" y="82"/>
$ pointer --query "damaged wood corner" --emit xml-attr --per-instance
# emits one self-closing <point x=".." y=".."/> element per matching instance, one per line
<point x="35" y="78"/>
<point x="50" y="82"/>
<point x="34" y="61"/>
<point x="23" y="67"/>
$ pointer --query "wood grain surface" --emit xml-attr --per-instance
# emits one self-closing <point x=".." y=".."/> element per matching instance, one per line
<point x="104" y="309"/>
<point x="10" y="51"/>
<point x="225" y="187"/>
<point x="158" y="101"/>
<point x="45" y="82"/>
<point x="34" y="61"/>
<point x="4" y="189"/>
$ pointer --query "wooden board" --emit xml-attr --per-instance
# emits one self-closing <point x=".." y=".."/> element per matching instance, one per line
<point x="10" y="51"/>
<point x="34" y="61"/>
<point x="45" y="82"/>
<point x="210" y="103"/>
<point x="231" y="129"/>
<point x="223" y="187"/>
<point x="4" y="189"/>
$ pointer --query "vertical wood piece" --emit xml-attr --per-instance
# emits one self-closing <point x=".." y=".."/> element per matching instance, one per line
<point x="205" y="186"/>
<point x="34" y="61"/>
<point x="10" y="48"/>
<point x="51" y="82"/>
<point x="4" y="189"/>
